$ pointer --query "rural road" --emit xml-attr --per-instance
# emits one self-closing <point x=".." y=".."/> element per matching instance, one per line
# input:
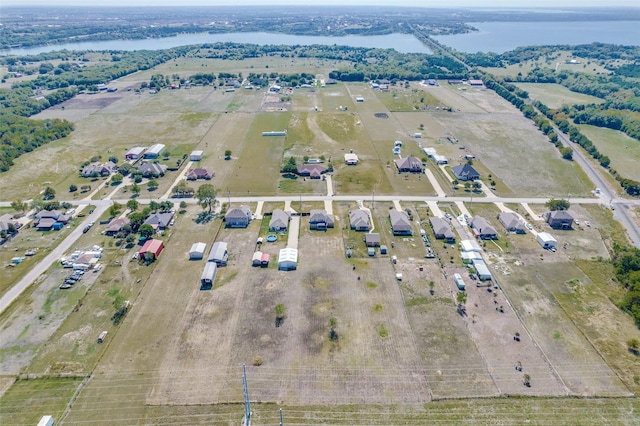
<point x="50" y="259"/>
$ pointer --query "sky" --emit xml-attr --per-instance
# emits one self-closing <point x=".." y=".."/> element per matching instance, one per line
<point x="417" y="3"/>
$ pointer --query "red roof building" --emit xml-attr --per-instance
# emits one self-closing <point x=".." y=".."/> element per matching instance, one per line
<point x="151" y="249"/>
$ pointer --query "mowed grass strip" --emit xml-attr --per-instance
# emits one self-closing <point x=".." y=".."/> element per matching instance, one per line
<point x="555" y="95"/>
<point x="261" y="157"/>
<point x="623" y="151"/>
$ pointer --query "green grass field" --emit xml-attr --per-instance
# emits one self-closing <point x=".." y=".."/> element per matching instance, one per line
<point x="623" y="151"/>
<point x="556" y="95"/>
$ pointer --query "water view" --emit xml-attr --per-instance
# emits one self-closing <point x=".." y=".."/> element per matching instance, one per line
<point x="404" y="43"/>
<point x="500" y="37"/>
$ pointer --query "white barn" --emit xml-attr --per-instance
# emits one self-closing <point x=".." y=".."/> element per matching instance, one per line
<point x="288" y="259"/>
<point x="546" y="240"/>
<point x="197" y="251"/>
<point x="196" y="155"/>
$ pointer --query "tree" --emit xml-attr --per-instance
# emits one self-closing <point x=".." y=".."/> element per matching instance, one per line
<point x="85" y="188"/>
<point x="152" y="185"/>
<point x="132" y="205"/>
<point x="146" y="230"/>
<point x="136" y="220"/>
<point x="280" y="314"/>
<point x="227" y="154"/>
<point x="557" y="204"/>
<point x="135" y="188"/>
<point x="567" y="153"/>
<point x="333" y="323"/>
<point x="49" y="193"/>
<point x="206" y="196"/>
<point x="19" y="206"/>
<point x="154" y="206"/>
<point x="183" y="204"/>
<point x="37" y="205"/>
<point x="634" y="346"/>
<point x="115" y="209"/>
<point x="113" y="159"/>
<point x="117" y="179"/>
<point x="526" y="379"/>
<point x="290" y="166"/>
<point x="73" y="188"/>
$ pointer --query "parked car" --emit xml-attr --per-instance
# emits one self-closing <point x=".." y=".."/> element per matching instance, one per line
<point x="86" y="229"/>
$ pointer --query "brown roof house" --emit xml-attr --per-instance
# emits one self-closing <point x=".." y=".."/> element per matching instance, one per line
<point x="559" y="219"/>
<point x="115" y="226"/>
<point x="314" y="171"/>
<point x="442" y="229"/>
<point x="400" y="224"/>
<point x="359" y="220"/>
<point x="482" y="229"/>
<point x="511" y="222"/>
<point x="238" y="217"/>
<point x="279" y="221"/>
<point x="409" y="164"/>
<point x="320" y="220"/>
<point x="200" y="173"/>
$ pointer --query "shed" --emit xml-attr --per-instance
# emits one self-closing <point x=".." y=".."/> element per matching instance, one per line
<point x="264" y="261"/>
<point x="154" y="151"/>
<point x="482" y="270"/>
<point x="58" y="226"/>
<point x="469" y="245"/>
<point x="196" y="155"/>
<point x="134" y="153"/>
<point x="359" y="99"/>
<point x="417" y="135"/>
<point x="218" y="253"/>
<point x="208" y="275"/>
<point x="197" y="251"/>
<point x="371" y="251"/>
<point x="151" y="249"/>
<point x="288" y="259"/>
<point x="46" y="421"/>
<point x="383" y="249"/>
<point x="546" y="240"/>
<point x="256" y="260"/>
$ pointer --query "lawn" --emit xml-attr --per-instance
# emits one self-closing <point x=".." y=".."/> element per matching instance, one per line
<point x="623" y="151"/>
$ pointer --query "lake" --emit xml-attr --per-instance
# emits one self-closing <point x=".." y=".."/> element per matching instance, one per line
<point x="500" y="37"/>
<point x="404" y="43"/>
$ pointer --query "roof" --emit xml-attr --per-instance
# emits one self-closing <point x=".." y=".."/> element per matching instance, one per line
<point x="465" y="172"/>
<point x="279" y="219"/>
<point x="560" y="215"/>
<point x="152" y="168"/>
<point x="137" y="150"/>
<point x="198" y="248"/>
<point x="152" y="246"/>
<point x="481" y="268"/>
<point x="483" y="226"/>
<point x="399" y="220"/>
<point x="359" y="218"/>
<point x="160" y="219"/>
<point x="350" y="158"/>
<point x="199" y="173"/>
<point x="546" y="237"/>
<point x="116" y="224"/>
<point x="313" y="170"/>
<point x="320" y="216"/>
<point x="218" y="252"/>
<point x="441" y="227"/>
<point x="288" y="254"/>
<point x="196" y="153"/>
<point x="46" y="222"/>
<point x="409" y="163"/>
<point x="469" y="245"/>
<point x="155" y="149"/>
<point x="238" y="213"/>
<point x="372" y="238"/>
<point x="511" y="221"/>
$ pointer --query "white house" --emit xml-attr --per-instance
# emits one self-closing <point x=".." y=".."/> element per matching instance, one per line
<point x="288" y="259"/>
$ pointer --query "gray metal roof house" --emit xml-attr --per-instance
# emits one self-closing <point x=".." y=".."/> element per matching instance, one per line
<point x="279" y="220"/>
<point x="218" y="253"/>
<point x="465" y="172"/>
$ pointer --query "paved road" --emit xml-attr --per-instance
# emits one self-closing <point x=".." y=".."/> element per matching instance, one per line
<point x="52" y="257"/>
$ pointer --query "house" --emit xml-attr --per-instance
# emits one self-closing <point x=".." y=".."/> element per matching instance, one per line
<point x="208" y="275"/>
<point x="482" y="229"/>
<point x="442" y="229"/>
<point x="288" y="259"/>
<point x="372" y="240"/>
<point x="546" y="240"/>
<point x="218" y="253"/>
<point x="8" y="223"/>
<point x="465" y="172"/>
<point x="238" y="217"/>
<point x="350" y="159"/>
<point x="320" y="220"/>
<point x="200" y="173"/>
<point x="409" y="164"/>
<point x="98" y="169"/>
<point x="359" y="220"/>
<point x="134" y="153"/>
<point x="64" y="218"/>
<point x="275" y="88"/>
<point x="457" y="278"/>
<point x="559" y="219"/>
<point x="151" y="250"/>
<point x="152" y="169"/>
<point x="159" y="220"/>
<point x="154" y="151"/>
<point x="511" y="222"/>
<point x="48" y="214"/>
<point x="315" y="171"/>
<point x="197" y="251"/>
<point x="45" y="224"/>
<point x="196" y="155"/>
<point x="400" y="224"/>
<point x="279" y="221"/>
<point x="470" y="246"/>
<point x="115" y="226"/>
